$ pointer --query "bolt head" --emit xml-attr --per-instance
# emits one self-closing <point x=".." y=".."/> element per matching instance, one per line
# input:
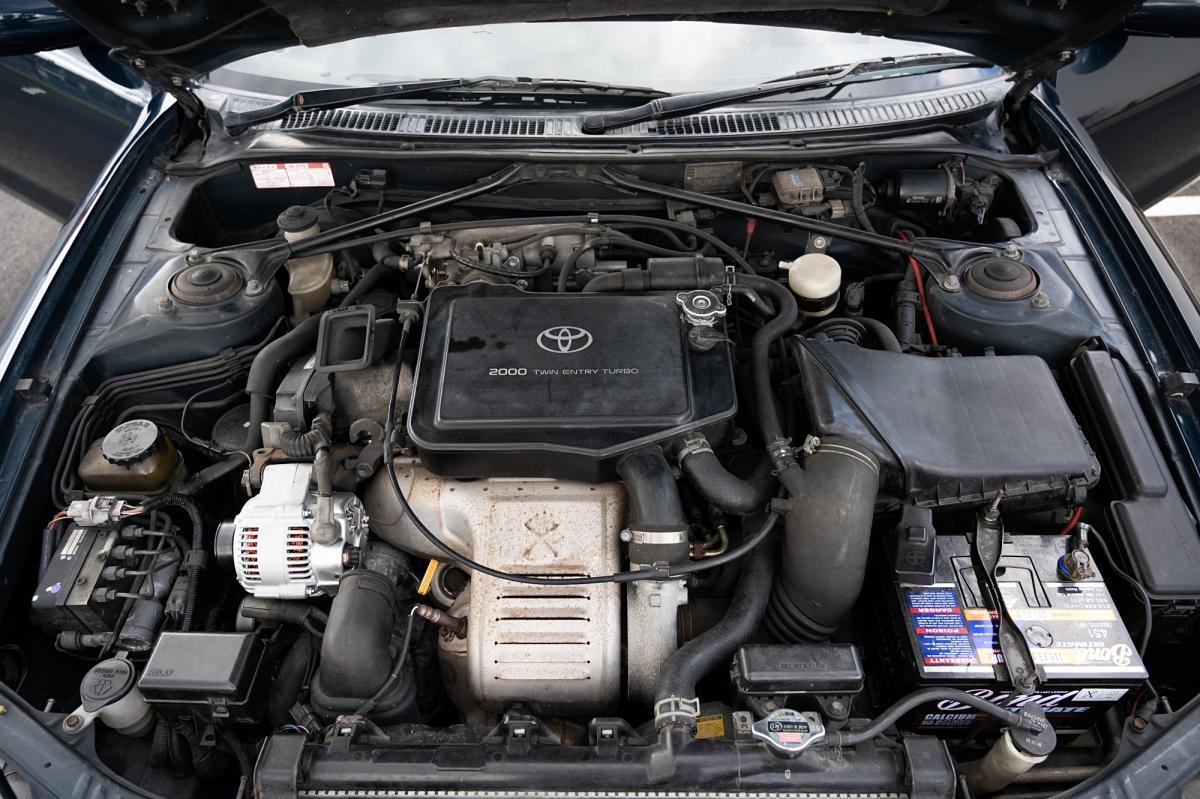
<point x="626" y="536"/>
<point x="166" y="304"/>
<point x="1041" y="300"/>
<point x="73" y="721"/>
<point x="951" y="283"/>
<point x="820" y="242"/>
<point x="253" y="288"/>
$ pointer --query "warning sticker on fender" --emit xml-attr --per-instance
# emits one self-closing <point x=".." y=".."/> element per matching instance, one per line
<point x="291" y="176"/>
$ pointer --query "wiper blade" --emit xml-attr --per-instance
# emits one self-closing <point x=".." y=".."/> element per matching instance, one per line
<point x="680" y="105"/>
<point x="352" y="95"/>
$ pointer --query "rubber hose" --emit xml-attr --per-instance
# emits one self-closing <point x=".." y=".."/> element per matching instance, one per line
<point x="366" y="284"/>
<point x="655" y="506"/>
<point x="714" y="647"/>
<point x="782" y="460"/>
<point x="195" y="558"/>
<point x="260" y="383"/>
<point x="355" y="655"/>
<point x="828" y="533"/>
<point x="906" y="301"/>
<point x="281" y="611"/>
<point x="305" y="445"/>
<point x="882" y="333"/>
<point x="856" y="200"/>
<point x="210" y="474"/>
<point x="204" y="760"/>
<point x="726" y="490"/>
<point x="160" y="755"/>
<point x="289" y="681"/>
<point x="47" y="551"/>
<point x="239" y="754"/>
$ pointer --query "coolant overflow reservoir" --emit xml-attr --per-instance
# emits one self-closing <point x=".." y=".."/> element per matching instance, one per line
<point x="815" y="279"/>
<point x="310" y="277"/>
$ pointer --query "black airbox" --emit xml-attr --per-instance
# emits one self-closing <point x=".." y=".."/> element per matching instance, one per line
<point x="513" y="383"/>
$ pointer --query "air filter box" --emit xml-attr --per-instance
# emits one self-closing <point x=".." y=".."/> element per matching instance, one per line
<point x="951" y="431"/>
<point x="516" y="384"/>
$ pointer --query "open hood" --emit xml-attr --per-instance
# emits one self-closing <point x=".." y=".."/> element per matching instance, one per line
<point x="172" y="42"/>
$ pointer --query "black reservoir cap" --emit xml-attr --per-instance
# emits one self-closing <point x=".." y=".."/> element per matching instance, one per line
<point x="775" y="669"/>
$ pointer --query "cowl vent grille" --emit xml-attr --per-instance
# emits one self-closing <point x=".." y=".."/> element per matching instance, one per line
<point x="806" y="118"/>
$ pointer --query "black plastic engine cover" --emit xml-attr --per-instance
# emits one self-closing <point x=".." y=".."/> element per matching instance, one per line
<point x="512" y="383"/>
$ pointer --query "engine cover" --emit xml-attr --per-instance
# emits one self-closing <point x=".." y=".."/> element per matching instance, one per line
<point x="512" y="383"/>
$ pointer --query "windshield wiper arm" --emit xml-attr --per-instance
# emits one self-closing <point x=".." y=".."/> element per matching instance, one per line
<point x="353" y="95"/>
<point x="680" y="105"/>
<point x="338" y="98"/>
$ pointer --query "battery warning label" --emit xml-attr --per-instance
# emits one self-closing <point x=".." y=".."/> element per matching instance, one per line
<point x="947" y="635"/>
<point x="940" y="627"/>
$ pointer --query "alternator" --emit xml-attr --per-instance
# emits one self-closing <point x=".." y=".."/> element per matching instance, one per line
<point x="270" y="543"/>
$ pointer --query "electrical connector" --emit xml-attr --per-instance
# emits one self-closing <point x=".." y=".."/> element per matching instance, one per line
<point x="96" y="512"/>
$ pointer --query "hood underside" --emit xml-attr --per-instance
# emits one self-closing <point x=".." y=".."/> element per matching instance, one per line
<point x="170" y="41"/>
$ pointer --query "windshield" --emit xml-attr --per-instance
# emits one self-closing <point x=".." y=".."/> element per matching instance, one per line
<point x="674" y="56"/>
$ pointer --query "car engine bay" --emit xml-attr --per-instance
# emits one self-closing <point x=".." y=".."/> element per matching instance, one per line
<point x="821" y="476"/>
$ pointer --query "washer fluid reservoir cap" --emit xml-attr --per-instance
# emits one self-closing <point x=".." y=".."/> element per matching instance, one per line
<point x="130" y="442"/>
<point x="1001" y="278"/>
<point x="106" y="683"/>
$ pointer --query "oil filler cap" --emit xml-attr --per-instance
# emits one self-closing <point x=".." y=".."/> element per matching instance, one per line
<point x="789" y="732"/>
<point x="130" y="442"/>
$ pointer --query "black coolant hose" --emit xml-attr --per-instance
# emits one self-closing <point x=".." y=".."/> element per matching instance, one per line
<point x="366" y="284"/>
<point x="783" y="460"/>
<point x="828" y="533"/>
<point x="260" y="383"/>
<point x="714" y="647"/>
<point x="194" y="562"/>
<point x="722" y="488"/>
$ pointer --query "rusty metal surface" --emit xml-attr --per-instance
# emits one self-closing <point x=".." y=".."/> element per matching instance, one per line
<point x="557" y="649"/>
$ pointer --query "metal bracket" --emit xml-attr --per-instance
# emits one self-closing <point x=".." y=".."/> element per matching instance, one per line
<point x="987" y="547"/>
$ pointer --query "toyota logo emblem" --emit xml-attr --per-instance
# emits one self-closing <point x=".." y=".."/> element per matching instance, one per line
<point x="564" y="339"/>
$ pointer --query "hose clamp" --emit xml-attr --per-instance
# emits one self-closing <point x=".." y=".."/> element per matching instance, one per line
<point x="691" y="444"/>
<point x="655" y="537"/>
<point x="675" y="710"/>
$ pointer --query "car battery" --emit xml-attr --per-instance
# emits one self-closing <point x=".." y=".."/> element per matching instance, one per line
<point x="942" y="634"/>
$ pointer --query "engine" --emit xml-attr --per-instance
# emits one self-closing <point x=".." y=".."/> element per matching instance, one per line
<point x="672" y="497"/>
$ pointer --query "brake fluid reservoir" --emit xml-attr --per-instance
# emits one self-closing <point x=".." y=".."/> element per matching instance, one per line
<point x="310" y="277"/>
<point x="815" y="278"/>
<point x="134" y="458"/>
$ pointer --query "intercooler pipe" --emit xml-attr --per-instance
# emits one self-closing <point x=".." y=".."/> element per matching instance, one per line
<point x="828" y="531"/>
<point x="722" y="488"/>
<point x="659" y="530"/>
<point x="658" y="535"/>
<point x="356" y="657"/>
<point x="716" y="645"/>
